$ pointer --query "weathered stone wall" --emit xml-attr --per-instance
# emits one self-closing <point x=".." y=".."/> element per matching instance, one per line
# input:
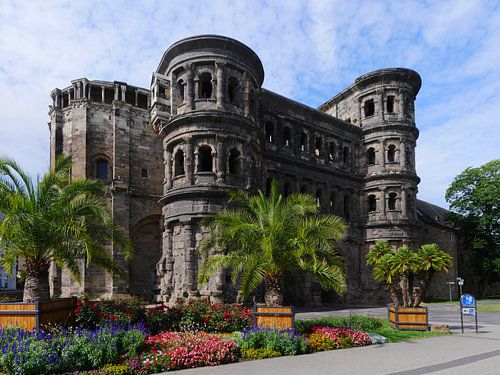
<point x="205" y="128"/>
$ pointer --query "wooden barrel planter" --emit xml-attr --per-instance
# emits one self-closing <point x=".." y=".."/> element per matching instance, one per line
<point x="279" y="317"/>
<point x="408" y="318"/>
<point x="29" y="316"/>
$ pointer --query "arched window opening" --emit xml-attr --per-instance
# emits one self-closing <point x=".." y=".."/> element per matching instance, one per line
<point x="286" y="137"/>
<point x="205" y="86"/>
<point x="369" y="108"/>
<point x="331" y="151"/>
<point x="390" y="104"/>
<point x="332" y="201"/>
<point x="345" y="154"/>
<point x="391" y="154"/>
<point x="391" y="202"/>
<point x="234" y="161"/>
<point x="346" y="207"/>
<point x="287" y="189"/>
<point x="372" y="203"/>
<point x="180" y="84"/>
<point x="303" y="189"/>
<point x="179" y="163"/>
<point x="232" y="86"/>
<point x="102" y="168"/>
<point x="371" y="156"/>
<point x="205" y="162"/>
<point x="317" y="146"/>
<point x="269" y="183"/>
<point x="319" y="193"/>
<point x="269" y="131"/>
<point x="303" y="141"/>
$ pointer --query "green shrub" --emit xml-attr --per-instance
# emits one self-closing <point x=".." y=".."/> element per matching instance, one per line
<point x="354" y="322"/>
<point x="259" y="353"/>
<point x="286" y="342"/>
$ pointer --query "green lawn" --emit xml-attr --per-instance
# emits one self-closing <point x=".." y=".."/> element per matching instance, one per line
<point x="491" y="308"/>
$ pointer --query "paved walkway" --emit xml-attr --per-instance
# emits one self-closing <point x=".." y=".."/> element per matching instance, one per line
<point x="456" y="354"/>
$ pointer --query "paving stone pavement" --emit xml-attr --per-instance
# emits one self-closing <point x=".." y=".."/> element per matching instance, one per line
<point x="468" y="353"/>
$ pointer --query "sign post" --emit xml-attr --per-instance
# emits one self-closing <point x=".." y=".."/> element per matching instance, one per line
<point x="468" y="306"/>
<point x="460" y="283"/>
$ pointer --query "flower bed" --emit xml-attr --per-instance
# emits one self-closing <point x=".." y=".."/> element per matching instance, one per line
<point x="127" y="338"/>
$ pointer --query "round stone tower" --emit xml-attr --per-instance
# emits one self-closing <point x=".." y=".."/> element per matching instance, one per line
<point x="386" y="114"/>
<point x="204" y="106"/>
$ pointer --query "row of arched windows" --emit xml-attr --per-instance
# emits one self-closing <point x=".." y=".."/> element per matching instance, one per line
<point x="391" y="202"/>
<point x="304" y="143"/>
<point x="318" y="194"/>
<point x="391" y="155"/>
<point x="206" y="89"/>
<point x="205" y="161"/>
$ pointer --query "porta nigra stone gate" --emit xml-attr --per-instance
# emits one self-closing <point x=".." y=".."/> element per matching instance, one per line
<point x="172" y="153"/>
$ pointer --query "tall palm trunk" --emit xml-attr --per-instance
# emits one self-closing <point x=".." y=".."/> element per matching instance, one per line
<point x="36" y="285"/>
<point x="393" y="291"/>
<point x="274" y="291"/>
<point x="405" y="290"/>
<point x="419" y="295"/>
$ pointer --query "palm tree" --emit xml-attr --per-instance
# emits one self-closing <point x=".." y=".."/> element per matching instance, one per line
<point x="380" y="256"/>
<point x="55" y="220"/>
<point x="393" y="266"/>
<point x="269" y="239"/>
<point x="431" y="259"/>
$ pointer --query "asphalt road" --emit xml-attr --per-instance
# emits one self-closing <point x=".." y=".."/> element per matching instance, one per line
<point x="468" y="353"/>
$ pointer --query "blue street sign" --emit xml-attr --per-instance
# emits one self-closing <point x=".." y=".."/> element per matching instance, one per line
<point x="467" y="300"/>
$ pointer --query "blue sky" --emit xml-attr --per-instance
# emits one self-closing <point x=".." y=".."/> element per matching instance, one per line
<point x="310" y="50"/>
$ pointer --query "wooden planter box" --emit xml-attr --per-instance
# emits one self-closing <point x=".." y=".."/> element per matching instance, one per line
<point x="282" y="317"/>
<point x="29" y="316"/>
<point x="409" y="318"/>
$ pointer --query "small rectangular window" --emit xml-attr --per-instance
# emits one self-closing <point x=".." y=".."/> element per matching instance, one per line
<point x="390" y="104"/>
<point x="369" y="108"/>
<point x="144" y="173"/>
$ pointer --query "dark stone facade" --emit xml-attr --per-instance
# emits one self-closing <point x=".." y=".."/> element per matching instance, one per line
<point x="206" y="127"/>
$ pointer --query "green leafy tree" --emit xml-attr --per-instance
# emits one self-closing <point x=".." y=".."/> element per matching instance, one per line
<point x="474" y="197"/>
<point x="56" y="220"/>
<point x="270" y="239"/>
<point x="403" y="266"/>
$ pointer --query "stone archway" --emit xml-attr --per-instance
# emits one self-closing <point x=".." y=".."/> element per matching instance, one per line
<point x="146" y="238"/>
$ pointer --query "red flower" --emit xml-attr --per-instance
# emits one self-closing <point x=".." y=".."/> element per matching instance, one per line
<point x="77" y="311"/>
<point x="78" y="303"/>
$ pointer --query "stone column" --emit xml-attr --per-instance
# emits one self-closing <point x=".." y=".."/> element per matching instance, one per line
<point x="90" y="92"/>
<point x="360" y="113"/>
<point x="188" y="160"/>
<point x="136" y="97"/>
<point x="189" y="87"/>
<point x="77" y="90"/>
<point x="84" y="89"/>
<point x="402" y="155"/>
<point x="190" y="264"/>
<point x="246" y="94"/>
<point x="220" y="85"/>
<point x="403" y="203"/>
<point x="382" y="153"/>
<point x="382" y="106"/>
<point x="382" y="204"/>
<point x="220" y="160"/>
<point x="117" y="93"/>
<point x="401" y="106"/>
<point x="124" y="90"/>
<point x="168" y="170"/>
<point x="165" y="268"/>
<point x="103" y="94"/>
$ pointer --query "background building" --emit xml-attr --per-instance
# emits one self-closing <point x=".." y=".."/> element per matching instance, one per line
<point x="205" y="127"/>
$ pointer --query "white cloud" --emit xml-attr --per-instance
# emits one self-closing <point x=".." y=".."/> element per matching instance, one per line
<point x="310" y="50"/>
